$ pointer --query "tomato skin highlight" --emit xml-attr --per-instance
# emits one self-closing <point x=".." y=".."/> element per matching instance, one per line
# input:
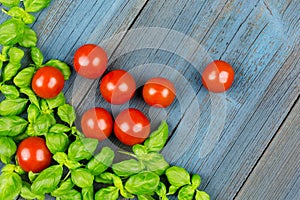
<point x="97" y="123"/>
<point x="33" y="154"/>
<point x="47" y="82"/>
<point x="90" y="61"/>
<point x="132" y="127"/>
<point x="218" y="76"/>
<point x="117" y="87"/>
<point x="159" y="92"/>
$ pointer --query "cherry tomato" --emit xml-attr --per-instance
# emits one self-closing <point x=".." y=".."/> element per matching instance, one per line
<point x="159" y="92"/>
<point x="33" y="154"/>
<point x="218" y="76"/>
<point x="47" y="82"/>
<point x="90" y="61"/>
<point x="131" y="127"/>
<point x="117" y="87"/>
<point x="97" y="123"/>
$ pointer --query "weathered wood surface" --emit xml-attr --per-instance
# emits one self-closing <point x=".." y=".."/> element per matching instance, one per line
<point x="229" y="139"/>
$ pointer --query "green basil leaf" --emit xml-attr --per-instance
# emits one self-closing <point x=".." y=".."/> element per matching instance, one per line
<point x="178" y="176"/>
<point x="66" y="113"/>
<point x="32" y="176"/>
<point x="155" y="162"/>
<point x="64" y="187"/>
<point x="119" y="184"/>
<point x="26" y="192"/>
<point x="23" y="78"/>
<point x="142" y="183"/>
<point x="71" y="164"/>
<point x="127" y="167"/>
<point x="9" y="107"/>
<point x="201" y="195"/>
<point x="37" y="56"/>
<point x="57" y="142"/>
<point x="59" y="128"/>
<point x="161" y="191"/>
<point x="10" y="70"/>
<point x="5" y="159"/>
<point x="158" y="138"/>
<point x="172" y="190"/>
<point x="82" y="148"/>
<point x="31" y="95"/>
<point x="36" y="5"/>
<point x="110" y="192"/>
<point x="82" y="177"/>
<point x="29" y="38"/>
<point x="12" y="125"/>
<point x="139" y="150"/>
<point x="88" y="193"/>
<point x="70" y="195"/>
<point x="44" y="105"/>
<point x="99" y="163"/>
<point x="10" y="185"/>
<point x="10" y="91"/>
<point x="10" y="3"/>
<point x="20" y="13"/>
<point x="32" y="113"/>
<point x="11" y="31"/>
<point x="43" y="123"/>
<point x="63" y="67"/>
<point x="8" y="146"/>
<point x="15" y="55"/>
<point x="47" y="180"/>
<point x="60" y="157"/>
<point x="196" y="181"/>
<point x="57" y="101"/>
<point x="186" y="193"/>
<point x="145" y="197"/>
<point x="105" y="177"/>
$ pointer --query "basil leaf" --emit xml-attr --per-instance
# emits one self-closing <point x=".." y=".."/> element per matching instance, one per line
<point x="26" y="192"/>
<point x="37" y="56"/>
<point x="32" y="113"/>
<point x="99" y="163"/>
<point x="10" y="70"/>
<point x="66" y="113"/>
<point x="82" y="148"/>
<point x="31" y="95"/>
<point x="32" y="176"/>
<point x="11" y="32"/>
<point x="158" y="138"/>
<point x="82" y="177"/>
<point x="63" y="67"/>
<point x="29" y="38"/>
<point x="196" y="181"/>
<point x="10" y="91"/>
<point x="15" y="57"/>
<point x="71" y="164"/>
<point x="59" y="128"/>
<point x="201" y="195"/>
<point x="10" y="3"/>
<point x="161" y="191"/>
<point x="60" y="157"/>
<point x="59" y="100"/>
<point x="9" y="107"/>
<point x="178" y="176"/>
<point x="145" y="197"/>
<point x="57" y="142"/>
<point x="10" y="185"/>
<point x="88" y="193"/>
<point x="105" y="177"/>
<point x="20" y="13"/>
<point x="139" y="150"/>
<point x="127" y="167"/>
<point x="47" y="180"/>
<point x="186" y="193"/>
<point x="12" y="125"/>
<point x="70" y="195"/>
<point x="35" y="5"/>
<point x="172" y="190"/>
<point x="156" y="163"/>
<point x="110" y="192"/>
<point x="23" y="78"/>
<point x="64" y="187"/>
<point x="43" y="123"/>
<point x="142" y="183"/>
<point x="8" y="146"/>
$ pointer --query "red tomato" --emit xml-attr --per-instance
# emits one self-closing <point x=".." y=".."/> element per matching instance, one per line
<point x="117" y="87"/>
<point x="47" y="82"/>
<point x="97" y="123"/>
<point x="159" y="92"/>
<point x="33" y="154"/>
<point x="131" y="127"/>
<point x="218" y="76"/>
<point x="90" y="61"/>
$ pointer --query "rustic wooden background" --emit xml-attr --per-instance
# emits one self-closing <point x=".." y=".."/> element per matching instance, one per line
<point x="244" y="143"/>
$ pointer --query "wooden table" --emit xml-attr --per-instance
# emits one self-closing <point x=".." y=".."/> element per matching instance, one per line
<point x="245" y="143"/>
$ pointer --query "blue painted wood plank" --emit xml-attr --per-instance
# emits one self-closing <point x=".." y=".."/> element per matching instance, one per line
<point x="277" y="174"/>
